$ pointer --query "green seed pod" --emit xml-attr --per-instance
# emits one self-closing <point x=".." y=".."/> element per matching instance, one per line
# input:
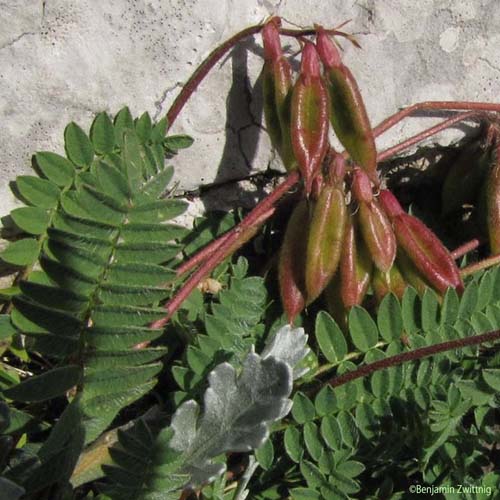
<point x="391" y="281"/>
<point x="291" y="264"/>
<point x="355" y="267"/>
<point x="277" y="84"/>
<point x="347" y="110"/>
<point x="325" y="239"/>
<point x="410" y="273"/>
<point x="309" y="122"/>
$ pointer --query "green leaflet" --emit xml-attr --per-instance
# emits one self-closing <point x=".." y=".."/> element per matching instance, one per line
<point x="78" y="146"/>
<point x="102" y="134"/>
<point x="46" y="386"/>
<point x="32" y="220"/>
<point x="22" y="252"/>
<point x="38" y="192"/>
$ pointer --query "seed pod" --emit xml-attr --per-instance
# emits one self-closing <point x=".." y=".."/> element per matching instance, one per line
<point x="347" y="112"/>
<point x="465" y="177"/>
<point x="291" y="264"/>
<point x="355" y="267"/>
<point x="325" y="239"/>
<point x="410" y="273"/>
<point x="374" y="224"/>
<point x="422" y="246"/>
<point x="391" y="281"/>
<point x="277" y="83"/>
<point x="493" y="203"/>
<point x="309" y="120"/>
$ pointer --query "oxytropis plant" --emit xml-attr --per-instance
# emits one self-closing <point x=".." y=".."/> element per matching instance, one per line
<point x="110" y="345"/>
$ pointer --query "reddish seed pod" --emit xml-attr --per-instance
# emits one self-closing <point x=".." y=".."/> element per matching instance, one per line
<point x="325" y="239"/>
<point x="422" y="246"/>
<point x="309" y="116"/>
<point x="355" y="268"/>
<point x="277" y="84"/>
<point x="291" y="264"/>
<point x="347" y="113"/>
<point x="376" y="228"/>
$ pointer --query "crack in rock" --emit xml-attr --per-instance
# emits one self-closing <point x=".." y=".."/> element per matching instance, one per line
<point x="161" y="101"/>
<point x="489" y="63"/>
<point x="15" y="40"/>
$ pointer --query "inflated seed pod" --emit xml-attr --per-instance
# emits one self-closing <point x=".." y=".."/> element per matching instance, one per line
<point x="309" y="117"/>
<point x="291" y="263"/>
<point x="493" y="203"/>
<point x="355" y="267"/>
<point x="325" y="239"/>
<point x="347" y="110"/>
<point x="375" y="226"/>
<point x="430" y="257"/>
<point x="391" y="281"/>
<point x="277" y="85"/>
<point x="410" y="273"/>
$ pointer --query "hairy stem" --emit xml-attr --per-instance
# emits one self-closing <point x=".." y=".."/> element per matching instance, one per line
<point x="479" y="266"/>
<point x="465" y="248"/>
<point x="262" y="207"/>
<point x="388" y="153"/>
<point x="433" y="106"/>
<point x="231" y="241"/>
<point x="365" y="370"/>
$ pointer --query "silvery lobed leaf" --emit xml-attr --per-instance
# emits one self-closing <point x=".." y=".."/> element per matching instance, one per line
<point x="289" y="345"/>
<point x="238" y="407"/>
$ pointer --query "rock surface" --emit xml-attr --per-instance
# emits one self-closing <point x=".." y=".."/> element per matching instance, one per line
<point x="63" y="61"/>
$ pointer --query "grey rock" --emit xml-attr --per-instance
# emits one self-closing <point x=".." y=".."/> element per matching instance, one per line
<point x="67" y="60"/>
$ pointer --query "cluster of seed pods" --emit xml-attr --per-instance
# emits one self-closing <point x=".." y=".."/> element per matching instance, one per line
<point x="346" y="234"/>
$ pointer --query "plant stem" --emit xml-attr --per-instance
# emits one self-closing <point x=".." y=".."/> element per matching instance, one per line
<point x="465" y="248"/>
<point x="256" y="212"/>
<point x="232" y="240"/>
<point x="384" y="155"/>
<point x="433" y="106"/>
<point x="202" y="255"/>
<point x="414" y="355"/>
<point x="216" y="55"/>
<point x="479" y="266"/>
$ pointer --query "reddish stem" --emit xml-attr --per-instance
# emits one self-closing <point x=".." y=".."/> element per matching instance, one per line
<point x="465" y="248"/>
<point x="202" y="255"/>
<point x="433" y="105"/>
<point x="216" y="55"/>
<point x="202" y="70"/>
<point x="228" y="247"/>
<point x="384" y="155"/>
<point x="231" y="241"/>
<point x="256" y="212"/>
<point x="414" y="355"/>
